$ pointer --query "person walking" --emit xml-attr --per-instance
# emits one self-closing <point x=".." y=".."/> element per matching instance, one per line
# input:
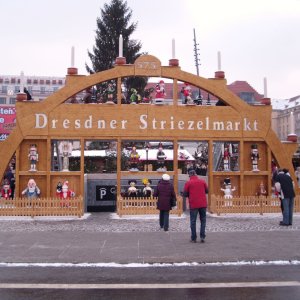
<point x="165" y="193"/>
<point x="284" y="184"/>
<point x="195" y="190"/>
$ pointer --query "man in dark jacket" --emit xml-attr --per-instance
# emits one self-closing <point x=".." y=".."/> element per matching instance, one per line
<point x="196" y="189"/>
<point x="165" y="192"/>
<point x="285" y="185"/>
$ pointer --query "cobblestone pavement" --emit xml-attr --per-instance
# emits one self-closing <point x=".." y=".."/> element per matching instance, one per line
<point x="110" y="222"/>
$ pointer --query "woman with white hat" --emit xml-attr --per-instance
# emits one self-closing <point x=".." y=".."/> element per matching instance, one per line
<point x="165" y="193"/>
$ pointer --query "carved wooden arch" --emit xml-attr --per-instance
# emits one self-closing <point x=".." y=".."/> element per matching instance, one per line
<point x="77" y="83"/>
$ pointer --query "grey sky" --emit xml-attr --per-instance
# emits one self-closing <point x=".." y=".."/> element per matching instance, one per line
<point x="257" y="39"/>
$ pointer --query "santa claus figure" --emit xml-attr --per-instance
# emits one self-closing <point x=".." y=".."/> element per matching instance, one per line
<point x="254" y="158"/>
<point x="6" y="190"/>
<point x="187" y="93"/>
<point x="32" y="191"/>
<point x="65" y="194"/>
<point x="160" y="92"/>
<point x="33" y="157"/>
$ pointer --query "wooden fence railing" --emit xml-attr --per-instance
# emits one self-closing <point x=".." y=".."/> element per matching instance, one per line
<point x="144" y="206"/>
<point x="248" y="204"/>
<point x="42" y="207"/>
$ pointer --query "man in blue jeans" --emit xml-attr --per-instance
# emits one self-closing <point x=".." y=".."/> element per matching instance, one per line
<point x="284" y="184"/>
<point x="195" y="190"/>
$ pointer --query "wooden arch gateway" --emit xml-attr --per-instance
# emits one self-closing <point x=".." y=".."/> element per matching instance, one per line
<point x="53" y="119"/>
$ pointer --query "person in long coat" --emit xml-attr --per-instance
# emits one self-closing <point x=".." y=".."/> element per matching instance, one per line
<point x="165" y="193"/>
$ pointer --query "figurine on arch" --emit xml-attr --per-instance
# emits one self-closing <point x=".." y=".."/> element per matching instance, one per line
<point x="135" y="97"/>
<point x="111" y="89"/>
<point x="187" y="93"/>
<point x="160" y="92"/>
<point x="33" y="157"/>
<point x="148" y="95"/>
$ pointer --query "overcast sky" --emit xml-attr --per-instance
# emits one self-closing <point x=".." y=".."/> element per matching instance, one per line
<point x="257" y="38"/>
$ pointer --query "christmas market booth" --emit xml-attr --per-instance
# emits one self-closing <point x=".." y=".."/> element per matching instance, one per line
<point x="109" y="153"/>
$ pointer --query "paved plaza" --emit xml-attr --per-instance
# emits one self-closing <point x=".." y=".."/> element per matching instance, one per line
<point x="104" y="238"/>
<point x="111" y="222"/>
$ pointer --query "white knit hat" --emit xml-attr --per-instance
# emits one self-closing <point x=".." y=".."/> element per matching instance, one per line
<point x="166" y="177"/>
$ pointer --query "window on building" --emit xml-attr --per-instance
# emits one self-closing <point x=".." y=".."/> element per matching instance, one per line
<point x="42" y="81"/>
<point x="43" y="90"/>
<point x="1" y="80"/>
<point x="28" y="81"/>
<point x="4" y="89"/>
<point x="2" y="100"/>
<point x="247" y="97"/>
<point x="12" y="100"/>
<point x="60" y="82"/>
<point x="13" y="80"/>
<point x="35" y="81"/>
<point x="47" y="81"/>
<point x="55" y="88"/>
<point x="17" y="89"/>
<point x="53" y="81"/>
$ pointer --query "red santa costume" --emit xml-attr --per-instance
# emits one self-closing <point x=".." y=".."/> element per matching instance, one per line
<point x="160" y="92"/>
<point x="187" y="92"/>
<point x="65" y="194"/>
<point x="6" y="190"/>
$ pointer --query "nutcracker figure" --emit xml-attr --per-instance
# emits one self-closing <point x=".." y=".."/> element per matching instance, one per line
<point x="161" y="157"/>
<point x="254" y="158"/>
<point x="226" y="152"/>
<point x="65" y="150"/>
<point x="33" y="157"/>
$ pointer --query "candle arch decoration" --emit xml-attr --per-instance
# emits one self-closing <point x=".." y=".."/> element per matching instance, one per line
<point x="239" y="119"/>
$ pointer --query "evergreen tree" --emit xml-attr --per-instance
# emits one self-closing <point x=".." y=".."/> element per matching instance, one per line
<point x="115" y="20"/>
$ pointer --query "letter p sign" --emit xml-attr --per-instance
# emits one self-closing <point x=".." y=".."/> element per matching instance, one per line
<point x="102" y="193"/>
